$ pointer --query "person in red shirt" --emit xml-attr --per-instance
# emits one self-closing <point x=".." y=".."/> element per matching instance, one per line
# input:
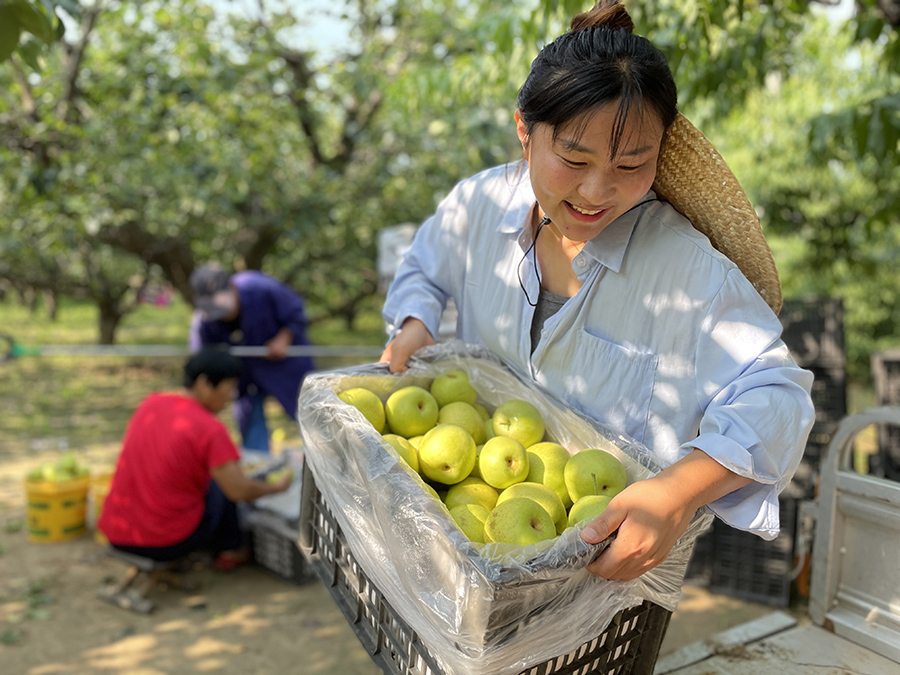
<point x="178" y="475"/>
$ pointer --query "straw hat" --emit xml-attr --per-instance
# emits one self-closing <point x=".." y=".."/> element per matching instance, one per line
<point x="693" y="177"/>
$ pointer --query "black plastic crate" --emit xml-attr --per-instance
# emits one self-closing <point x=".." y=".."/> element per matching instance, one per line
<point x="742" y="565"/>
<point x="629" y="645"/>
<point x="829" y="393"/>
<point x="273" y="545"/>
<point x="813" y="329"/>
<point x="886" y="376"/>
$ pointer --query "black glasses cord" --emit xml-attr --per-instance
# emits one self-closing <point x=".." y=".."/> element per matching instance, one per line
<point x="531" y="249"/>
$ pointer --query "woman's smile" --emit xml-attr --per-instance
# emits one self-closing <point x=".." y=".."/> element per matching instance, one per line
<point x="585" y="214"/>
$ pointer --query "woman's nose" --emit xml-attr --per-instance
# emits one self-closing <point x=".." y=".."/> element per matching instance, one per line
<point x="597" y="187"/>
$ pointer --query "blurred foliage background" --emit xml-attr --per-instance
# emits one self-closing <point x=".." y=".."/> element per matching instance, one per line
<point x="139" y="139"/>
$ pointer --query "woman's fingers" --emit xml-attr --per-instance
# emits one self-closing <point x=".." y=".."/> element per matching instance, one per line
<point x="409" y="340"/>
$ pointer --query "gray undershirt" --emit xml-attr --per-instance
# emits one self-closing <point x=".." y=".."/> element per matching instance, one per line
<point x="548" y="304"/>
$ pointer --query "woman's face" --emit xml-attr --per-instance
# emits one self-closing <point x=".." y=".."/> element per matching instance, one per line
<point x="576" y="183"/>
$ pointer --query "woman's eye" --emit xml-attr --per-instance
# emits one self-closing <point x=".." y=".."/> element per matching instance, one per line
<point x="623" y="167"/>
<point x="571" y="162"/>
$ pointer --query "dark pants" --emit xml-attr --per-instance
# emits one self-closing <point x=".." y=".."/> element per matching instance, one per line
<point x="218" y="530"/>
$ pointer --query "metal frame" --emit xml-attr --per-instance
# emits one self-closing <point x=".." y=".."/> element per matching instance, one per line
<point x="855" y="589"/>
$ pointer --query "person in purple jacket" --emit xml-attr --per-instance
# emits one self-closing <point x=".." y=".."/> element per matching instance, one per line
<point x="252" y="309"/>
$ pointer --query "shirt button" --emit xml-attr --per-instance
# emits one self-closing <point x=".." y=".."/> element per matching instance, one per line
<point x="580" y="261"/>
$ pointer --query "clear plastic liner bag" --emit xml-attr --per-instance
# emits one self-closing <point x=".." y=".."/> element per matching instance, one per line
<point x="481" y="609"/>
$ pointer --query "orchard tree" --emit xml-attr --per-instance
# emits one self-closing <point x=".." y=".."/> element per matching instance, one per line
<point x="167" y="135"/>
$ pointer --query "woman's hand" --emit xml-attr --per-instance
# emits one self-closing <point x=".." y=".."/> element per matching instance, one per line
<point x="652" y="514"/>
<point x="411" y="338"/>
<point x="649" y="518"/>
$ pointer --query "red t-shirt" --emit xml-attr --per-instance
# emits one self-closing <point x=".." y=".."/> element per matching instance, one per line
<point x="158" y="492"/>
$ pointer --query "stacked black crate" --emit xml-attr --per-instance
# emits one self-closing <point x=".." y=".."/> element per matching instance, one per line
<point x="886" y="376"/>
<point x="740" y="564"/>
<point x="814" y="332"/>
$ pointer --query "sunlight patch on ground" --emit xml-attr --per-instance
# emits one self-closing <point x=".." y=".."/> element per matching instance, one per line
<point x="327" y="632"/>
<point x="207" y="665"/>
<point x="241" y="617"/>
<point x="126" y="654"/>
<point x="174" y="626"/>
<point x="53" y="669"/>
<point x="207" y="646"/>
<point x="13" y="612"/>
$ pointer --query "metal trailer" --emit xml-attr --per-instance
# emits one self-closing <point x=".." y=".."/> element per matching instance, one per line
<point x="853" y="622"/>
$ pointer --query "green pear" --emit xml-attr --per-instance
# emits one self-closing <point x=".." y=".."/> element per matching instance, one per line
<point x="502" y="462"/>
<point x="541" y="494"/>
<point x="411" y="411"/>
<point x="452" y="386"/>
<point x="274" y="476"/>
<point x="470" y="519"/>
<point x="476" y="472"/>
<point x="594" y="472"/>
<point x="489" y="429"/>
<point x="446" y="454"/>
<point x="519" y="521"/>
<point x="367" y="403"/>
<point x="463" y="415"/>
<point x="405" y="449"/>
<point x="547" y="465"/>
<point x="485" y="415"/>
<point x="587" y="508"/>
<point x="520" y="420"/>
<point x="471" y="491"/>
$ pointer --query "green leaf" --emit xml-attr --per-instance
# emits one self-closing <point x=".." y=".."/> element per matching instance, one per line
<point x="9" y="32"/>
<point x="31" y="50"/>
<point x="861" y="133"/>
<point x="9" y="637"/>
<point x="34" y="20"/>
<point x="13" y="526"/>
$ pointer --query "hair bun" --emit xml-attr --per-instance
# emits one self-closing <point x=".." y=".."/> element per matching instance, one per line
<point x="607" y="14"/>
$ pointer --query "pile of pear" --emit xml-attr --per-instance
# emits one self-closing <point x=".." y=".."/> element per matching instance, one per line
<point x="500" y="477"/>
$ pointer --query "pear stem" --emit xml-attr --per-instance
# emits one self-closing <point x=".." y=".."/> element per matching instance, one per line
<point x="594" y="478"/>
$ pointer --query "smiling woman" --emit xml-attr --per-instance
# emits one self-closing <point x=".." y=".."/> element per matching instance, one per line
<point x="620" y="266"/>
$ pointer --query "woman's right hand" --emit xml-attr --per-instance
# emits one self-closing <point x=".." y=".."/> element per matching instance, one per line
<point x="412" y="336"/>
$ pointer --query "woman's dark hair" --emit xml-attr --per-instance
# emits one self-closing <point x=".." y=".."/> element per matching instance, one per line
<point x="213" y="362"/>
<point x="597" y="62"/>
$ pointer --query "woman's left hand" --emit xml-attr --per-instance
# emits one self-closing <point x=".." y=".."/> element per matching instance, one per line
<point x="652" y="514"/>
<point x="650" y="517"/>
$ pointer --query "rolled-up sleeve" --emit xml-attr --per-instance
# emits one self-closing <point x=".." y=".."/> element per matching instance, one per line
<point x="757" y="407"/>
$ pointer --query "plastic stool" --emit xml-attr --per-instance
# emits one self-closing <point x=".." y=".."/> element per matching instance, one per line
<point x="143" y="575"/>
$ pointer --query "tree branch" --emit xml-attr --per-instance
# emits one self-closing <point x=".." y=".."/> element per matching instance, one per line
<point x="73" y="65"/>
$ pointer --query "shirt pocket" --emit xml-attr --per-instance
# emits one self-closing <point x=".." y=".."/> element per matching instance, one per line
<point x="612" y="384"/>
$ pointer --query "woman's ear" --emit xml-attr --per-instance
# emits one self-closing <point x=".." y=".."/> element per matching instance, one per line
<point x="522" y="132"/>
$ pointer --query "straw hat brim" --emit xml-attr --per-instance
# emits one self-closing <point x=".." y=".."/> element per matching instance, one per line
<point x="693" y="177"/>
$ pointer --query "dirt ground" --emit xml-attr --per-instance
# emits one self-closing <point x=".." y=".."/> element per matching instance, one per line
<point x="248" y="621"/>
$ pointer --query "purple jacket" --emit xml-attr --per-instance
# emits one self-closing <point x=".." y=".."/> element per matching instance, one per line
<point x="267" y="305"/>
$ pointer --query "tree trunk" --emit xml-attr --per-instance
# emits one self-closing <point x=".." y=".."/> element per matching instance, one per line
<point x="29" y="298"/>
<point x="50" y="302"/>
<point x="110" y="316"/>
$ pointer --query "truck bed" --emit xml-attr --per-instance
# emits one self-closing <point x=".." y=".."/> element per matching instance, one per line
<point x="775" y="644"/>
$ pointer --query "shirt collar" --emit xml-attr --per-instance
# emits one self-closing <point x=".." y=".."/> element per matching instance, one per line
<point x="608" y="248"/>
<point x="516" y="219"/>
